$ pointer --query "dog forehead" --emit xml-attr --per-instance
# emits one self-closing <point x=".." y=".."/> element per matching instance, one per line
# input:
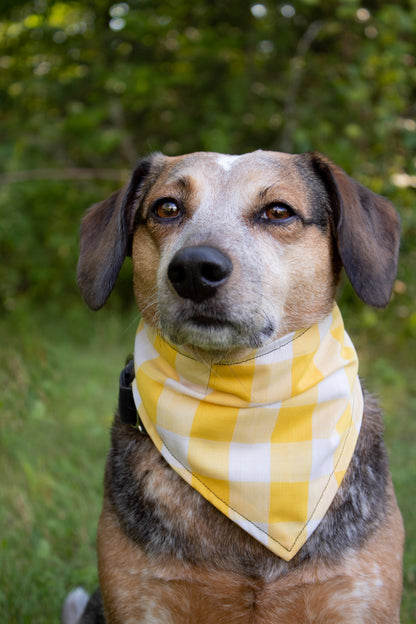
<point x="251" y="171"/>
<point x="216" y="162"/>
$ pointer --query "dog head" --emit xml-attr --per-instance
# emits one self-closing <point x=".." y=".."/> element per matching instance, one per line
<point x="230" y="252"/>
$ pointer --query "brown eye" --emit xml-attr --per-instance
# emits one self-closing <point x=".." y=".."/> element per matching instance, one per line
<point x="166" y="209"/>
<point x="277" y="212"/>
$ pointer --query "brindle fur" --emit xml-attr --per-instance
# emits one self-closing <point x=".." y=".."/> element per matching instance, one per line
<point x="165" y="554"/>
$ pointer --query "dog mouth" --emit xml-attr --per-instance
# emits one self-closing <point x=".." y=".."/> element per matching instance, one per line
<point x="216" y="334"/>
<point x="208" y="322"/>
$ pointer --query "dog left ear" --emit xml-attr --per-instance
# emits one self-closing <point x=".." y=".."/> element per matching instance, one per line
<point x="105" y="240"/>
<point x="367" y="232"/>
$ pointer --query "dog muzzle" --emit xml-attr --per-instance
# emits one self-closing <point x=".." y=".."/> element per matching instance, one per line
<point x="266" y="440"/>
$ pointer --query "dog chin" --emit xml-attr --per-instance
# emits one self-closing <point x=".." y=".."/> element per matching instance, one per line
<point x="216" y="339"/>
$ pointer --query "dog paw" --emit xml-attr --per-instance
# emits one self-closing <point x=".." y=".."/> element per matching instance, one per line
<point x="74" y="606"/>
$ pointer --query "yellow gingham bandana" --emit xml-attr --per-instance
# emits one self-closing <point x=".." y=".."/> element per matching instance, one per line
<point x="266" y="440"/>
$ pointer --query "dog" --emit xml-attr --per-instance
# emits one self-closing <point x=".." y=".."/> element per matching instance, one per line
<point x="235" y="255"/>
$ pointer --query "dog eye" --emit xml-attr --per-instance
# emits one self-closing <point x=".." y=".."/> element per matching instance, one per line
<point x="277" y="212"/>
<point x="166" y="209"/>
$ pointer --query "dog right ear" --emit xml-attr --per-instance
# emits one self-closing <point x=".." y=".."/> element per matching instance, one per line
<point x="105" y="240"/>
<point x="367" y="233"/>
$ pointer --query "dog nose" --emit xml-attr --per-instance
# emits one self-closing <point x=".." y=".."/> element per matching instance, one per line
<point x="197" y="272"/>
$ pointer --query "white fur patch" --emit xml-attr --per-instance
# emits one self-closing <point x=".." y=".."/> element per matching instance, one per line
<point x="226" y="162"/>
<point x="74" y="606"/>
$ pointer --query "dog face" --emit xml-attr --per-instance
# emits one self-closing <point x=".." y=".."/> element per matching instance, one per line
<point x="230" y="252"/>
<point x="236" y="253"/>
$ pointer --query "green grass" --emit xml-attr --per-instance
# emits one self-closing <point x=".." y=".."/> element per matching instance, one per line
<point x="59" y="381"/>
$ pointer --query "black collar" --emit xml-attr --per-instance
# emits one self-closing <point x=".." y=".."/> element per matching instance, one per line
<point x="126" y="406"/>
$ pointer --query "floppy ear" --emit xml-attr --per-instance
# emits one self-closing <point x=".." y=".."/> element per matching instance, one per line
<point x="105" y="240"/>
<point x="367" y="233"/>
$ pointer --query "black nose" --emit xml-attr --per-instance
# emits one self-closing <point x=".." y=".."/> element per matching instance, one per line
<point x="197" y="272"/>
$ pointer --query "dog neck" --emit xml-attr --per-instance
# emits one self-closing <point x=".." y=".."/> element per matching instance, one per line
<point x="266" y="440"/>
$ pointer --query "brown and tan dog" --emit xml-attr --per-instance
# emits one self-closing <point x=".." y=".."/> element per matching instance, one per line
<point x="230" y="252"/>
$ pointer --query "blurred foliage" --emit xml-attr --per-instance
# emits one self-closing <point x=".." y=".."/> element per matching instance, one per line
<point x="87" y="88"/>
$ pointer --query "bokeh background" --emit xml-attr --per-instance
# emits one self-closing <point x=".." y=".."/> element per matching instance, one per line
<point x="86" y="89"/>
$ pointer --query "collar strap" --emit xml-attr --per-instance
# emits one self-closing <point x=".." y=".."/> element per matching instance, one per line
<point x="126" y="407"/>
